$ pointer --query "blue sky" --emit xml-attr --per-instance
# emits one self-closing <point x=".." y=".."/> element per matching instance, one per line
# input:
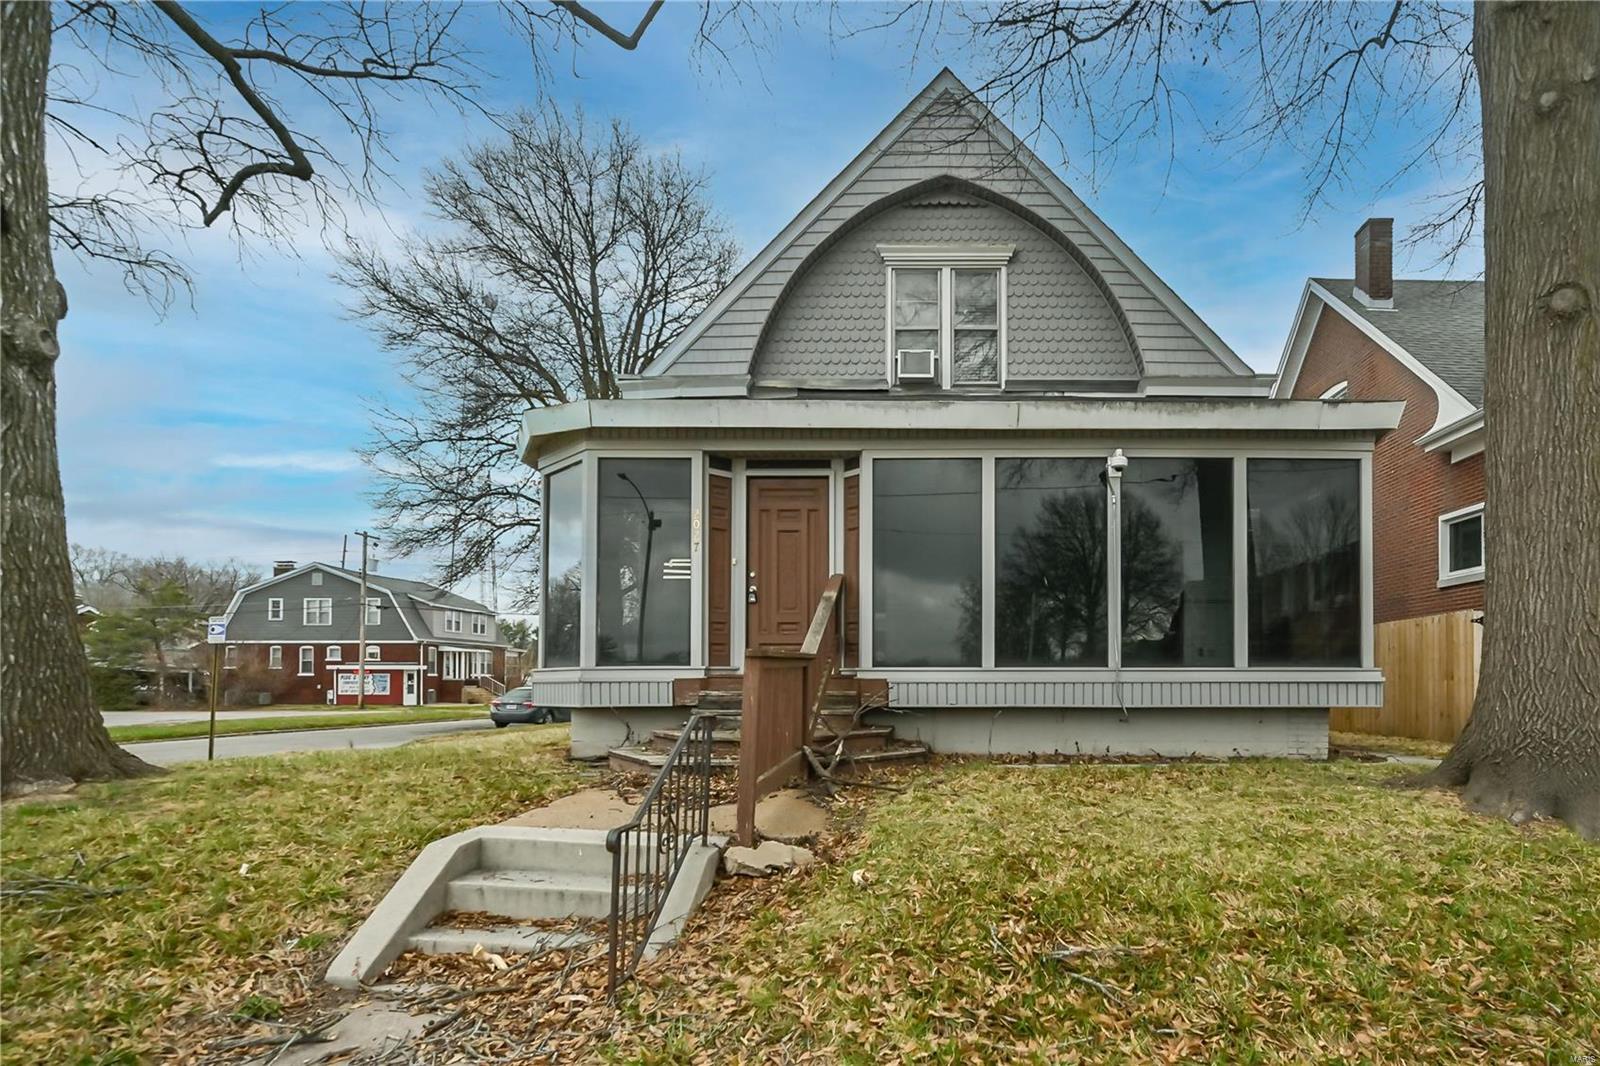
<point x="228" y="429"/>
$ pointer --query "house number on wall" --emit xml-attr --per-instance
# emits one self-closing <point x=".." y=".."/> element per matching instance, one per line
<point x="694" y="528"/>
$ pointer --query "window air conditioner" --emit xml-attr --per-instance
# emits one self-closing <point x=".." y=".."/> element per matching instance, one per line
<point x="915" y="364"/>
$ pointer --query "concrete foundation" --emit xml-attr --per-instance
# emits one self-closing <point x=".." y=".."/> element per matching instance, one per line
<point x="1212" y="731"/>
<point x="596" y="730"/>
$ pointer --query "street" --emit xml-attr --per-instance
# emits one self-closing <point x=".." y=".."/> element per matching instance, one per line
<point x="170" y="717"/>
<point x="173" y="752"/>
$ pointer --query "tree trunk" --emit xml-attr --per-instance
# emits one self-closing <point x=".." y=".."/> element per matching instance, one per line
<point x="1532" y="747"/>
<point x="50" y="731"/>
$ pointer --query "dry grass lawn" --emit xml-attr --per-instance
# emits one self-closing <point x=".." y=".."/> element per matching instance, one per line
<point x="1243" y="913"/>
<point x="233" y="883"/>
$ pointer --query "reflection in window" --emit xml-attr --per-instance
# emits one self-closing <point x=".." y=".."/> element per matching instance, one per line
<point x="1177" y="562"/>
<point x="563" y="567"/>
<point x="927" y="566"/>
<point x="1305" y="562"/>
<point x="642" y="595"/>
<point x="1050" y="562"/>
<point x="977" y="327"/>
<point x="916" y="310"/>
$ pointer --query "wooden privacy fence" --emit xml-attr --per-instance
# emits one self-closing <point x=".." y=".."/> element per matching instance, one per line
<point x="1430" y="671"/>
<point x="783" y="692"/>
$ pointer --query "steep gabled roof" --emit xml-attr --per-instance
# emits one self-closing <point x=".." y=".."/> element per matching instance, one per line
<point x="946" y="133"/>
<point x="1434" y="330"/>
<point x="1439" y="322"/>
<point x="408" y="596"/>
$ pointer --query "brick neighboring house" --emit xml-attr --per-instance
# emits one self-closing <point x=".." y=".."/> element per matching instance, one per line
<point x="1372" y="337"/>
<point x="295" y="635"/>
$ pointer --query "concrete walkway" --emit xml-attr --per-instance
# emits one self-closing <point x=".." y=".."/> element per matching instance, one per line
<point x="788" y="815"/>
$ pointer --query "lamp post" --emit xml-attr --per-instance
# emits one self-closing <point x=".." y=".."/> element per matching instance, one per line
<point x="651" y="524"/>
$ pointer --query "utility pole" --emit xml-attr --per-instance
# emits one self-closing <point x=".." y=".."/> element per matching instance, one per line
<point x="361" y="628"/>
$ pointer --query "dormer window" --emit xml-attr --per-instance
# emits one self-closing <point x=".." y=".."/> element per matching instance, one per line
<point x="946" y="314"/>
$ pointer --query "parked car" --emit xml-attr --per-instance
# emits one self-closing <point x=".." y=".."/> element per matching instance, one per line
<point x="516" y="705"/>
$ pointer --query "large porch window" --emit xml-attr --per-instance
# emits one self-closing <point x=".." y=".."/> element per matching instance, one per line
<point x="1050" y="562"/>
<point x="927" y="562"/>
<point x="1003" y="561"/>
<point x="1177" y="563"/>
<point x="562" y="609"/>
<point x="642" y="598"/>
<point x="1305" y="562"/>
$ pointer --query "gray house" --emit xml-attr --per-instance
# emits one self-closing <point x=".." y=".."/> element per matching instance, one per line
<point x="1067" y="517"/>
<point x="297" y="637"/>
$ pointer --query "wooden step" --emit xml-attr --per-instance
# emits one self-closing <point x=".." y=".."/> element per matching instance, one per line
<point x="725" y="741"/>
<point x="897" y="753"/>
<point x="644" y="760"/>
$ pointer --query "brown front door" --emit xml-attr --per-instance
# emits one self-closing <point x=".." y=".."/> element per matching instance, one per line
<point x="788" y="557"/>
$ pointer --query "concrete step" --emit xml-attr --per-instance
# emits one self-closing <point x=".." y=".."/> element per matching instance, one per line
<point x="646" y="760"/>
<point x="571" y="851"/>
<point x="531" y="894"/>
<point x="500" y="939"/>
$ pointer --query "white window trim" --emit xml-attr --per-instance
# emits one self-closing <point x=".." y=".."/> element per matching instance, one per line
<point x="275" y="657"/>
<point x="308" y="660"/>
<point x="433" y="661"/>
<point x="480" y="625"/>
<point x="1340" y="391"/>
<point x="1447" y="576"/>
<point x="374" y="653"/>
<point x="374" y="610"/>
<point x="452" y="621"/>
<point x="306" y="610"/>
<point x="275" y="609"/>
<point x="947" y="259"/>
<point x="333" y="654"/>
<point x="230" y="657"/>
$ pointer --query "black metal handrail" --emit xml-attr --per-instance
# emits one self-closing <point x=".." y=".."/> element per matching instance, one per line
<point x="648" y="851"/>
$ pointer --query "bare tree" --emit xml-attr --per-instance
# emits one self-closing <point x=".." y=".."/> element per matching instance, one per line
<point x="1512" y="86"/>
<point x="569" y="256"/>
<point x="230" y="142"/>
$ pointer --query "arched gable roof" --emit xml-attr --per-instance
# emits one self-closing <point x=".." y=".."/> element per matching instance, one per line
<point x="943" y="134"/>
<point x="828" y="321"/>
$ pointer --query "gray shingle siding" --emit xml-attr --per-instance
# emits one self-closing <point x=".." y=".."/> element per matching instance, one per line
<point x="832" y="323"/>
<point x="945" y="141"/>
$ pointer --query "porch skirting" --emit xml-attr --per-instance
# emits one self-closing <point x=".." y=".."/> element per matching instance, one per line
<point x="1221" y="732"/>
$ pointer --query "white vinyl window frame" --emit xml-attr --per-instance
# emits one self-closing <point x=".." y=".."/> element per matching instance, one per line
<point x="275" y="609"/>
<point x="316" y="611"/>
<point x="308" y="660"/>
<point x="230" y="657"/>
<point x="275" y="657"/>
<point x="374" y="610"/>
<point x="1449" y="576"/>
<point x="374" y="653"/>
<point x="334" y="654"/>
<point x="433" y="661"/>
<point x="480" y="625"/>
<point x="948" y="260"/>
<point x="1340" y="391"/>
<point x="452" y="621"/>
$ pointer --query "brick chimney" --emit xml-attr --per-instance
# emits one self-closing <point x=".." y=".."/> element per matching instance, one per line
<point x="1375" y="262"/>
<point x="282" y="566"/>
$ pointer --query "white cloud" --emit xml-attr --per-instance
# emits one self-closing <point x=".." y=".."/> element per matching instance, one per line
<point x="306" y="462"/>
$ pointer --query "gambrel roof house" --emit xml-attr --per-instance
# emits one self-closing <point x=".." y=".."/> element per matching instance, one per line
<point x="1064" y="515"/>
<point x="299" y="633"/>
